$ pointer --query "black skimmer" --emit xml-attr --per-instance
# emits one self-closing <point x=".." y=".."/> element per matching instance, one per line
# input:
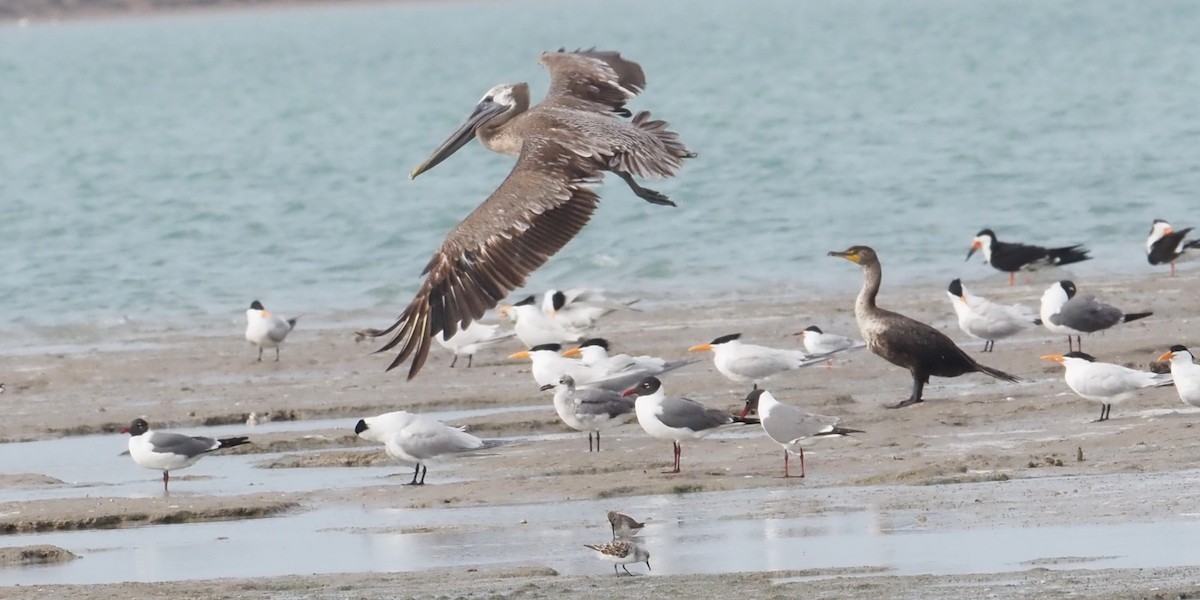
<point x="903" y="341"/>
<point x="1011" y="257"/>
<point x="1065" y="312"/>
<point x="989" y="321"/>
<point x="1105" y="383"/>
<point x="1168" y="245"/>
<point x="166" y="452"/>
<point x="266" y="330"/>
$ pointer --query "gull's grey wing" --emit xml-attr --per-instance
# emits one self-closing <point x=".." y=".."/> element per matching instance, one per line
<point x="182" y="445"/>
<point x="689" y="414"/>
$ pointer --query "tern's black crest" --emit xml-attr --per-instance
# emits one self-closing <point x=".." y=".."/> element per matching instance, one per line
<point x="558" y="300"/>
<point x="256" y="305"/>
<point x="526" y="302"/>
<point x="603" y="343"/>
<point x="813" y="328"/>
<point x="361" y="426"/>
<point x="1083" y="355"/>
<point x="1179" y="348"/>
<point x="725" y="338"/>
<point x="956" y="287"/>
<point x="550" y="347"/>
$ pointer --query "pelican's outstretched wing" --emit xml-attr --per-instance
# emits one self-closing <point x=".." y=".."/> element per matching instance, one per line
<point x="543" y="203"/>
<point x="592" y="79"/>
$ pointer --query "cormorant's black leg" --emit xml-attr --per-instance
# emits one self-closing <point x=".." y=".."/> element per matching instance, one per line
<point x="918" y="388"/>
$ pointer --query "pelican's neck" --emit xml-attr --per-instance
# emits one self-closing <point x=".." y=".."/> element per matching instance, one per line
<point x="500" y="134"/>
<point x="872" y="277"/>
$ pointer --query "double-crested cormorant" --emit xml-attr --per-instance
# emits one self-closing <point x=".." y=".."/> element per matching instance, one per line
<point x="1167" y="245"/>
<point x="1011" y="257"/>
<point x="903" y="341"/>
<point x="787" y="425"/>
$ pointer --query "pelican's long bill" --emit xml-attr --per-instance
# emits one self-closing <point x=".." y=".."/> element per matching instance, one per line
<point x="486" y="109"/>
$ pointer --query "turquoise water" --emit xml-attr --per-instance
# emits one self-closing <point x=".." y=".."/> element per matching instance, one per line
<point x="185" y="165"/>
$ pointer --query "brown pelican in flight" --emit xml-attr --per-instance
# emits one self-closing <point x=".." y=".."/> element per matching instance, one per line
<point x="563" y="146"/>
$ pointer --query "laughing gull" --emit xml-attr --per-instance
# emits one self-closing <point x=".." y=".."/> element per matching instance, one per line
<point x="1064" y="312"/>
<point x="1167" y="245"/>
<point x="1012" y="257"/>
<point x="580" y="308"/>
<point x="676" y="419"/>
<point x="160" y="450"/>
<point x="266" y="330"/>
<point x="748" y="363"/>
<point x="472" y="339"/>
<point x="414" y="439"/>
<point x="622" y="552"/>
<point x="534" y="328"/>
<point x="985" y="320"/>
<point x="589" y="410"/>
<point x="1105" y="383"/>
<point x="787" y="425"/>
<point x="1186" y="374"/>
<point x="623" y="526"/>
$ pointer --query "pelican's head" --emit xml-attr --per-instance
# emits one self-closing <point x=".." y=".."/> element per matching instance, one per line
<point x="497" y="106"/>
<point x="983" y="241"/>
<point x="862" y="255"/>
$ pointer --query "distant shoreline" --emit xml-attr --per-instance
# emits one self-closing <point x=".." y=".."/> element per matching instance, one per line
<point x="26" y="12"/>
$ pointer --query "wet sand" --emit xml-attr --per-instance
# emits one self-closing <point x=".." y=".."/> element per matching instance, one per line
<point x="978" y="453"/>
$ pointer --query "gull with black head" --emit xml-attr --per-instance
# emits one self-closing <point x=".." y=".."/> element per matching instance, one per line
<point x="165" y="451"/>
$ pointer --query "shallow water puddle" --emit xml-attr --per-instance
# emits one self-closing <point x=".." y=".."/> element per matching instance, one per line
<point x="94" y="465"/>
<point x="684" y="534"/>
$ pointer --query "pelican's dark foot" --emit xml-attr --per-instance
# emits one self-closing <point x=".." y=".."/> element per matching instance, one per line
<point x="646" y="194"/>
<point x="908" y="402"/>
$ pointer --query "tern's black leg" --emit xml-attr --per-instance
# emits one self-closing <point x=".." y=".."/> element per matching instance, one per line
<point x="454" y="362"/>
<point x="424" y="470"/>
<point x="470" y="359"/>
<point x="260" y="354"/>
<point x="597" y="440"/>
<point x="648" y="195"/>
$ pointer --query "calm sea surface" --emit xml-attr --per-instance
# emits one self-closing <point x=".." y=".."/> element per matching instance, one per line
<point x="185" y="165"/>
